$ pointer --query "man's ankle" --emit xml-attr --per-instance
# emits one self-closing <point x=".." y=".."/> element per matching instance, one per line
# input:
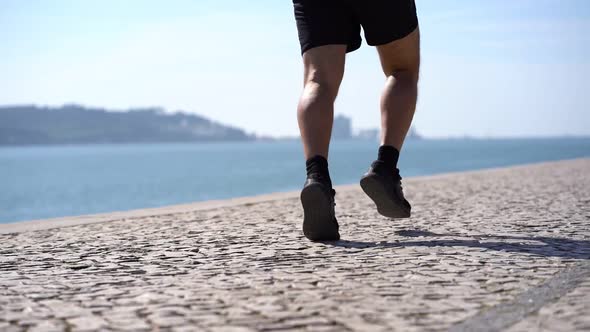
<point x="317" y="168"/>
<point x="388" y="155"/>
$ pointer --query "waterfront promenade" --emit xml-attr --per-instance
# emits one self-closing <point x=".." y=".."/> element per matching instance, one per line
<point x="493" y="250"/>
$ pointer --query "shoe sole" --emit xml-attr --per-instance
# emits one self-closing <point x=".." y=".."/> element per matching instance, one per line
<point x="318" y="224"/>
<point x="386" y="206"/>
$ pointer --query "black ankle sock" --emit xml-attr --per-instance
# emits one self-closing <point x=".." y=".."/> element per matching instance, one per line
<point x="318" y="167"/>
<point x="388" y="155"/>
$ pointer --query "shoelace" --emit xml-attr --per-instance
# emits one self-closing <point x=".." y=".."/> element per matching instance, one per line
<point x="322" y="179"/>
<point x="397" y="174"/>
<point x="379" y="167"/>
<point x="334" y="202"/>
<point x="399" y="178"/>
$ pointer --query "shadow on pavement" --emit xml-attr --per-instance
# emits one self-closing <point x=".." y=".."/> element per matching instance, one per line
<point x="541" y="246"/>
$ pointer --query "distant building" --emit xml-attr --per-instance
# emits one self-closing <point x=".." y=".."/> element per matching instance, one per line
<point x="368" y="134"/>
<point x="374" y="134"/>
<point x="413" y="134"/>
<point x="342" y="128"/>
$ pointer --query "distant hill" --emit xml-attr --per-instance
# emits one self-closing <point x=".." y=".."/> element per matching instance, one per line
<point x="73" y="124"/>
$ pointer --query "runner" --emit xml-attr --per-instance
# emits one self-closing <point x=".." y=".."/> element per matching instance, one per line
<point x="328" y="29"/>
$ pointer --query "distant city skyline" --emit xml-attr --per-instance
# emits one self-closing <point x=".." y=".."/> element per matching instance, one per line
<point x="490" y="69"/>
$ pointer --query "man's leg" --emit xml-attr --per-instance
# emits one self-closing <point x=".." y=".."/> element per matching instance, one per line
<point x="400" y="61"/>
<point x="323" y="71"/>
<point x="324" y="68"/>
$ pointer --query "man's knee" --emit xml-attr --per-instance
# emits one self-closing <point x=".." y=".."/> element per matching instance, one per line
<point x="407" y="77"/>
<point x="317" y="86"/>
<point x="401" y="58"/>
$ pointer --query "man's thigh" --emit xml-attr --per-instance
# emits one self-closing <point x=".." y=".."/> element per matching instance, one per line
<point x="392" y="26"/>
<point x="402" y="55"/>
<point x="324" y="65"/>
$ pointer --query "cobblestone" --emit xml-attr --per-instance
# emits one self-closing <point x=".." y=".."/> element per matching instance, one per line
<point x="476" y="240"/>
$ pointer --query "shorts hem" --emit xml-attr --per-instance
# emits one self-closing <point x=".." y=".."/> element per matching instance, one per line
<point x="395" y="37"/>
<point x="349" y="47"/>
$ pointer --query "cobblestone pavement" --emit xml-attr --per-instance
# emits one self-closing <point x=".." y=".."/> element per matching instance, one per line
<point x="570" y="313"/>
<point x="476" y="241"/>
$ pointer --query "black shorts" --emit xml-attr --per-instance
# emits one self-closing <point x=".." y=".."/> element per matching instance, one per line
<point x="327" y="22"/>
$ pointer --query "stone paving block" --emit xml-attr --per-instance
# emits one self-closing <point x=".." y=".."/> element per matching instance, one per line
<point x="87" y="323"/>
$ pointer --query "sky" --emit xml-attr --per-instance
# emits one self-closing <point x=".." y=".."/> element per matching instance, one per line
<point x="494" y="68"/>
